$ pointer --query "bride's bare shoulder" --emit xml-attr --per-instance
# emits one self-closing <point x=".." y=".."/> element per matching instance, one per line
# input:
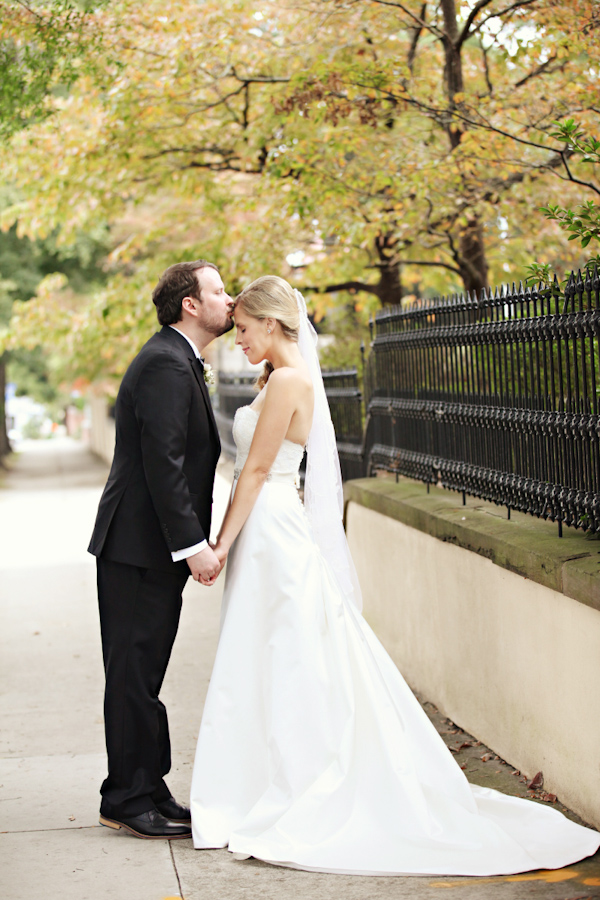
<point x="290" y="378"/>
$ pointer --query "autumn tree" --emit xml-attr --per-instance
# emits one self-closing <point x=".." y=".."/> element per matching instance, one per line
<point x="41" y="51"/>
<point x="374" y="144"/>
<point x="481" y="92"/>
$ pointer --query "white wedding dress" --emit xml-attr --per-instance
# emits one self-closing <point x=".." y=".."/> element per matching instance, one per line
<point x="313" y="752"/>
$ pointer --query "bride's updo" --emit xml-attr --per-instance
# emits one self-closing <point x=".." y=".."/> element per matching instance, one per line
<point x="271" y="297"/>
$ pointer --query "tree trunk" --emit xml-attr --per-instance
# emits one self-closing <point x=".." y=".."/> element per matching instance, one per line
<point x="453" y="74"/>
<point x="390" y="290"/>
<point x="4" y="444"/>
<point x="471" y="259"/>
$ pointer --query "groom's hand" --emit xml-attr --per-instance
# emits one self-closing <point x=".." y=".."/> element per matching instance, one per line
<point x="204" y="565"/>
<point x="221" y="554"/>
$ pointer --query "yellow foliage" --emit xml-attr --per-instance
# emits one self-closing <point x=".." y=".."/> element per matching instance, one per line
<point x="177" y="138"/>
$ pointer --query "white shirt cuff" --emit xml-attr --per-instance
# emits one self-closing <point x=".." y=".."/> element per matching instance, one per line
<point x="188" y="551"/>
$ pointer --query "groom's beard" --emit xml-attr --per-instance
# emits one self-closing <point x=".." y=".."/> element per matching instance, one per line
<point x="220" y="327"/>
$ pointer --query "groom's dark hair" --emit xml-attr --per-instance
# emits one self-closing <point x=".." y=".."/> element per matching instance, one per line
<point x="174" y="284"/>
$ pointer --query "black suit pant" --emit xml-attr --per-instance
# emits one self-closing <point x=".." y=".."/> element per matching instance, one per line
<point x="139" y="616"/>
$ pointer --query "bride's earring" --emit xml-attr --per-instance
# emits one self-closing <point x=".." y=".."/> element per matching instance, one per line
<point x="268" y="331"/>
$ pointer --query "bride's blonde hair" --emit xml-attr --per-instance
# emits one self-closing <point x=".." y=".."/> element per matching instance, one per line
<point x="271" y="297"/>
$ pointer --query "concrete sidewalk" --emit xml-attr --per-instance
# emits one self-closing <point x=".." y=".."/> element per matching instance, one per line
<point x="52" y="756"/>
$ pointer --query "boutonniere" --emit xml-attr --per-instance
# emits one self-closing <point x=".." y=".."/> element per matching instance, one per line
<point x="209" y="375"/>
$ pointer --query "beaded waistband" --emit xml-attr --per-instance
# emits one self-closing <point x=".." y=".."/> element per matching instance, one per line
<point x="276" y="477"/>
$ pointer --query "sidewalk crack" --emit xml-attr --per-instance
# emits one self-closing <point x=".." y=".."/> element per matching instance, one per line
<point x="175" y="870"/>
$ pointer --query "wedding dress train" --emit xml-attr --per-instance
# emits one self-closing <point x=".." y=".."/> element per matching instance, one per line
<point x="313" y="752"/>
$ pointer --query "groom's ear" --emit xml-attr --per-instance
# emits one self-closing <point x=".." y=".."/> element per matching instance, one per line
<point x="190" y="305"/>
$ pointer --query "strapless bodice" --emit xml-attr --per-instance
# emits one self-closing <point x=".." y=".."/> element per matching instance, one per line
<point x="289" y="457"/>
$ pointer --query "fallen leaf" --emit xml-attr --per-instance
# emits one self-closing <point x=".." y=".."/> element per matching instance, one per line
<point x="486" y="757"/>
<point x="459" y="747"/>
<point x="537" y="782"/>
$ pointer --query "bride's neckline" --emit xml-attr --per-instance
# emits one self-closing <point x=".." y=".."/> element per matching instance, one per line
<point x="257" y="414"/>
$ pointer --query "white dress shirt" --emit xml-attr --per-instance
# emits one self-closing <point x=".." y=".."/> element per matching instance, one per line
<point x="178" y="555"/>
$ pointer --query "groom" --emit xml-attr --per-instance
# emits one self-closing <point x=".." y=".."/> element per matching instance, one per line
<point x="151" y="531"/>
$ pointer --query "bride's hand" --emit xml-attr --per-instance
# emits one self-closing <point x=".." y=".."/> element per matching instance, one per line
<point x="221" y="554"/>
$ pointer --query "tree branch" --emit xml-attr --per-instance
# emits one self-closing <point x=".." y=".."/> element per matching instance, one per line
<point x="344" y="286"/>
<point x="33" y="12"/>
<point x="417" y="19"/>
<point x="246" y="109"/>
<point x="424" y="262"/>
<point x="499" y="14"/>
<point x="412" y="52"/>
<point x="441" y="115"/>
<point x="259" y="79"/>
<point x="486" y="69"/>
<point x="587" y="184"/>
<point x="352" y="286"/>
<point x="462" y="262"/>
<point x="224" y="162"/>
<point x="540" y="70"/>
<point x="470" y="19"/>
<point x="219" y="102"/>
<point x="218" y="151"/>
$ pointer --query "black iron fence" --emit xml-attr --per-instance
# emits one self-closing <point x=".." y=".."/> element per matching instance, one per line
<point x="345" y="402"/>
<point x="495" y="397"/>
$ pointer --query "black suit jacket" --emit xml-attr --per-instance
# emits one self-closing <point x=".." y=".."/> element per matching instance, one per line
<point x="158" y="497"/>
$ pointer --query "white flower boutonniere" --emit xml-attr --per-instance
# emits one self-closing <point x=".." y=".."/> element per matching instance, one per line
<point x="209" y="375"/>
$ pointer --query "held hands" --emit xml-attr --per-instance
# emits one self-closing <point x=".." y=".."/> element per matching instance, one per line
<point x="204" y="565"/>
<point x="220" y="553"/>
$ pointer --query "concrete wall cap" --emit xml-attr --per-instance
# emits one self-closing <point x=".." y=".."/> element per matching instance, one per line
<point x="525" y="545"/>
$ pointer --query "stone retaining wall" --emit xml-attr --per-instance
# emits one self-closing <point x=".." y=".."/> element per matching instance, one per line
<point x="497" y="622"/>
<point x="102" y="428"/>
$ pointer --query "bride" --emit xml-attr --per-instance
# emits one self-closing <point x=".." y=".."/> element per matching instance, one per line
<point x="313" y="753"/>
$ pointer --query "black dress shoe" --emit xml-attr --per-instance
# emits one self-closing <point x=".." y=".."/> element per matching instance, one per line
<point x="174" y="811"/>
<point x="151" y="824"/>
